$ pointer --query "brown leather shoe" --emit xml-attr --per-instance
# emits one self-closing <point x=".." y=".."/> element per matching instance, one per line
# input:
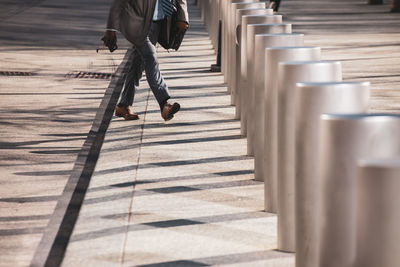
<point x="126" y="113"/>
<point x="169" y="111"/>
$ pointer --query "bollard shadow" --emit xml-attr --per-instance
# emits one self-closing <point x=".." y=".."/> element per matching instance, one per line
<point x="245" y="259"/>
<point x="174" y="163"/>
<point x="175" y="142"/>
<point x="174" y="223"/>
<point x="170" y="133"/>
<point x="172" y="179"/>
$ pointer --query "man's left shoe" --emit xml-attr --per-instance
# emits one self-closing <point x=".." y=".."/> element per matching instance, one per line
<point x="169" y="110"/>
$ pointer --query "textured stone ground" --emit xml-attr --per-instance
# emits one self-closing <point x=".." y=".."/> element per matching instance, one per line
<point x="163" y="194"/>
<point x="45" y="117"/>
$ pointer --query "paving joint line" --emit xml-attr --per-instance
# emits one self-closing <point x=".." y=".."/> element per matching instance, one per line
<point x="134" y="179"/>
<point x="55" y="239"/>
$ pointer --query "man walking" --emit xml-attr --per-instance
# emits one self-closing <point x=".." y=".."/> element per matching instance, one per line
<point x="140" y="23"/>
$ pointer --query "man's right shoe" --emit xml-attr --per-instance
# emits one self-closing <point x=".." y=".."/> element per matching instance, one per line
<point x="169" y="110"/>
<point x="126" y="113"/>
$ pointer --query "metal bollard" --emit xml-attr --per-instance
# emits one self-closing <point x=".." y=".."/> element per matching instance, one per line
<point x="213" y="23"/>
<point x="261" y="41"/>
<point x="232" y="33"/>
<point x="225" y="15"/>
<point x="256" y="83"/>
<point x="312" y="100"/>
<point x="290" y="73"/>
<point x="255" y="14"/>
<point x="343" y="140"/>
<point x="273" y="56"/>
<point x="378" y="213"/>
<point x="203" y="10"/>
<point x="255" y="79"/>
<point x="207" y="15"/>
<point x="235" y="16"/>
<point x="241" y="66"/>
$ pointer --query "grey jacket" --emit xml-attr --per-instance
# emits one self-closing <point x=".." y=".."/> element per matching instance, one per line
<point x="133" y="18"/>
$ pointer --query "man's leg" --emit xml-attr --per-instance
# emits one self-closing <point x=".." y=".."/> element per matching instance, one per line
<point x="131" y="83"/>
<point x="153" y="74"/>
<point x="132" y="80"/>
<point x="151" y="66"/>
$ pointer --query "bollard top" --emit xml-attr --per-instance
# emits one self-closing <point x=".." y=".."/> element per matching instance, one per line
<point x="244" y="10"/>
<point x="278" y="34"/>
<point x="268" y="24"/>
<point x="311" y="62"/>
<point x="392" y="162"/>
<point x="360" y="116"/>
<point x="244" y="4"/>
<point x="248" y="11"/>
<point x="260" y="37"/>
<point x="248" y="3"/>
<point x="330" y="84"/>
<point x="254" y="18"/>
<point x="256" y="15"/>
<point x="291" y="48"/>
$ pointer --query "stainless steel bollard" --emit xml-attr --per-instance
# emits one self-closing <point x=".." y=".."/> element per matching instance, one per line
<point x="255" y="79"/>
<point x="254" y="13"/>
<point x="273" y="56"/>
<point x="224" y="19"/>
<point x="210" y="14"/>
<point x="312" y="100"/>
<point x="211" y="28"/>
<point x="261" y="41"/>
<point x="226" y="15"/>
<point x="241" y="67"/>
<point x="232" y="32"/>
<point x="378" y="213"/>
<point x="290" y="73"/>
<point x="344" y="139"/>
<point x="213" y="23"/>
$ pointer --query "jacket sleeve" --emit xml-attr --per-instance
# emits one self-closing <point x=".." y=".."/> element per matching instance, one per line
<point x="113" y="22"/>
<point x="183" y="15"/>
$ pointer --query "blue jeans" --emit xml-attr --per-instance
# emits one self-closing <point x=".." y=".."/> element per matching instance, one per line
<point x="145" y="58"/>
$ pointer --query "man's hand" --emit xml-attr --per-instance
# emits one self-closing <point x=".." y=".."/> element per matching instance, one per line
<point x="110" y="40"/>
<point x="182" y="26"/>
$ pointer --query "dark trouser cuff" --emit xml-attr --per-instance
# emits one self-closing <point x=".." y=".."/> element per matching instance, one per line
<point x="122" y="105"/>
<point x="162" y="103"/>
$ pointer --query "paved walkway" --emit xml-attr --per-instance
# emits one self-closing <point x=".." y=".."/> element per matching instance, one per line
<point x="163" y="194"/>
<point x="179" y="193"/>
<point x="365" y="38"/>
<point x="45" y="117"/>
